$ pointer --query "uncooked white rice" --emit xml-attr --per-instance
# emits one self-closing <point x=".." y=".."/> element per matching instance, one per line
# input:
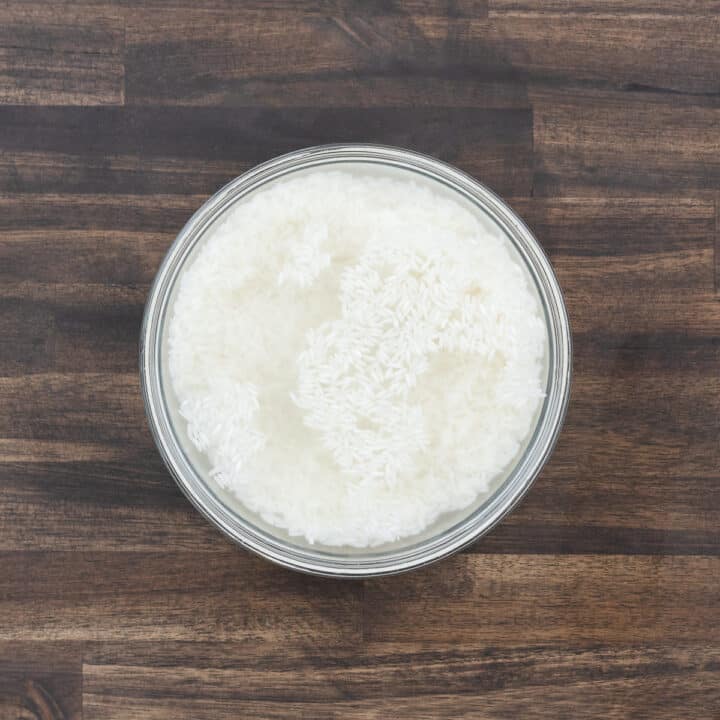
<point x="356" y="355"/>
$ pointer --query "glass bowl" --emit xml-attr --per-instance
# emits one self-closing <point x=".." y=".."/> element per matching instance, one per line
<point x="450" y="532"/>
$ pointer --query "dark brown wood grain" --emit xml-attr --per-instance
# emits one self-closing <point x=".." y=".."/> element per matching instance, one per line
<point x="150" y="150"/>
<point x="84" y="596"/>
<point x="549" y="599"/>
<point x="596" y="142"/>
<point x="599" y="596"/>
<point x="220" y="680"/>
<point x="68" y="55"/>
<point x="40" y="681"/>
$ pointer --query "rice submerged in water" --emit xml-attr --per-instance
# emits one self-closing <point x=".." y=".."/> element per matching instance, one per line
<point x="356" y="355"/>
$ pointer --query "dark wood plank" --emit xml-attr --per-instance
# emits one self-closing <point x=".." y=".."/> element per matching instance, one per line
<point x="157" y="213"/>
<point x="40" y="681"/>
<point x="617" y="700"/>
<point x="74" y="408"/>
<point x="227" y="681"/>
<point x="33" y="260"/>
<point x="716" y="246"/>
<point x="170" y="595"/>
<point x="69" y="55"/>
<point x="613" y="143"/>
<point x="638" y="281"/>
<point x="20" y="450"/>
<point x="641" y="245"/>
<point x="69" y="328"/>
<point x="522" y="600"/>
<point x="620" y="9"/>
<point x="195" y="150"/>
<point x="331" y="54"/>
<point x="527" y="530"/>
<point x="357" y="55"/>
<point x="633" y="47"/>
<point x="74" y="274"/>
<point x="291" y="9"/>
<point x="365" y="54"/>
<point x="348" y="89"/>
<point x="130" y="504"/>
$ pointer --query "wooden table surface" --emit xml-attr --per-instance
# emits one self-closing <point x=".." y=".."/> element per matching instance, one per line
<point x="599" y="597"/>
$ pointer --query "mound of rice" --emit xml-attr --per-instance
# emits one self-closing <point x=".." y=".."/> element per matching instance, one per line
<point x="356" y="355"/>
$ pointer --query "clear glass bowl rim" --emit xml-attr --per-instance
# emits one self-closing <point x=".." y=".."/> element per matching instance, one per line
<point x="452" y="539"/>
